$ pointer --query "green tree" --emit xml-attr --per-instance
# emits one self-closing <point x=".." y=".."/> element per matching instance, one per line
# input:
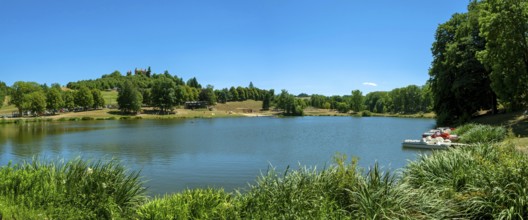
<point x="356" y="101"/>
<point x="412" y="99"/>
<point x="84" y="98"/>
<point x="266" y="102"/>
<point x="377" y="102"/>
<point x="164" y="94"/>
<point x="20" y="91"/>
<point x="145" y="93"/>
<point x="222" y="95"/>
<point x="460" y="84"/>
<point x="290" y="105"/>
<point x="69" y="100"/>
<point x="129" y="98"/>
<point x="97" y="98"/>
<point x="181" y="94"/>
<point x="3" y="93"/>
<point x="342" y="107"/>
<point x="36" y="102"/>
<point x="54" y="99"/>
<point x="193" y="82"/>
<point x="233" y="94"/>
<point x="242" y="95"/>
<point x="504" y="25"/>
<point x="208" y="95"/>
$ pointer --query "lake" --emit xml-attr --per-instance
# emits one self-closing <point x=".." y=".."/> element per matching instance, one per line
<point x="224" y="152"/>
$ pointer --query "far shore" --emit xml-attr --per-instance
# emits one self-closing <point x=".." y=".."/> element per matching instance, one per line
<point x="247" y="108"/>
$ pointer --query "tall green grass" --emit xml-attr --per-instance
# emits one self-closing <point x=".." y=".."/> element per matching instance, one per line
<point x="483" y="181"/>
<point x="341" y="191"/>
<point x="191" y="204"/>
<point x="477" y="133"/>
<point x="65" y="190"/>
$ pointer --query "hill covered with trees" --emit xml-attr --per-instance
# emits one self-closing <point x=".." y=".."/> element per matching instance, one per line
<point x="165" y="92"/>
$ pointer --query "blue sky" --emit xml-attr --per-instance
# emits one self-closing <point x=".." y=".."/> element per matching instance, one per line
<point x="317" y="47"/>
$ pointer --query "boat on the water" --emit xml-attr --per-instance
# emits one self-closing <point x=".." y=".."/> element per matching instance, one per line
<point x="443" y="132"/>
<point x="428" y="143"/>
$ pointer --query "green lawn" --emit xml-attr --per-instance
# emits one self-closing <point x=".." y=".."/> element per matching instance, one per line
<point x="110" y="97"/>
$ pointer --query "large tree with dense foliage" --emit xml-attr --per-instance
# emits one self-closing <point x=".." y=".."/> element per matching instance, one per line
<point x="98" y="98"/>
<point x="84" y="98"/>
<point x="69" y="100"/>
<point x="164" y="94"/>
<point x="377" y="102"/>
<point x="356" y="101"/>
<point x="20" y="92"/>
<point x="289" y="104"/>
<point x="208" y="95"/>
<point x="129" y="98"/>
<point x="459" y="81"/>
<point x="504" y="25"/>
<point x="54" y="99"/>
<point x="36" y="102"/>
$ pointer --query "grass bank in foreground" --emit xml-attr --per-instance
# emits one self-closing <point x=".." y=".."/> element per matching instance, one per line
<point x="487" y="180"/>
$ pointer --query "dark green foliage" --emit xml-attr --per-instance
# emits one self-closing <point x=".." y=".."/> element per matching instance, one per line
<point x="504" y="25"/>
<point x="54" y="99"/>
<point x="377" y="102"/>
<point x="163" y="94"/>
<point x="84" y="98"/>
<point x="36" y="102"/>
<point x="98" y="99"/>
<point x="407" y="100"/>
<point x="193" y="82"/>
<point x="208" y="95"/>
<point x="3" y="93"/>
<point x="356" y="101"/>
<point x="290" y="105"/>
<point x="460" y="83"/>
<point x="20" y="92"/>
<point x="129" y="98"/>
<point x="69" y="100"/>
<point x="342" y="107"/>
<point x="266" y="102"/>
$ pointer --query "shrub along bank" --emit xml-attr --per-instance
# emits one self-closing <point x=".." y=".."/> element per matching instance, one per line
<point x="486" y="180"/>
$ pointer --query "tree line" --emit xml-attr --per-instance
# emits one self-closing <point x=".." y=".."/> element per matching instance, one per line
<point x="480" y="60"/>
<point x="407" y="100"/>
<point x="164" y="92"/>
<point x="33" y="98"/>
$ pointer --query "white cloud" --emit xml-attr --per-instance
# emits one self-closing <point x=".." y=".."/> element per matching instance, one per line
<point x="370" y="84"/>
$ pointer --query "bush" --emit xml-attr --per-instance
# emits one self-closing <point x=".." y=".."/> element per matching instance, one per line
<point x="365" y="113"/>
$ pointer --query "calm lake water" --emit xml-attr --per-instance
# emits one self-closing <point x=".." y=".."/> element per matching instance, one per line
<point x="226" y="152"/>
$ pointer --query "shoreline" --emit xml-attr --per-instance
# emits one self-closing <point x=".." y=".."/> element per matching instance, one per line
<point x="111" y="114"/>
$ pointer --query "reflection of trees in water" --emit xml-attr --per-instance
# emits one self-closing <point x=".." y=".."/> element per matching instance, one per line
<point x="27" y="138"/>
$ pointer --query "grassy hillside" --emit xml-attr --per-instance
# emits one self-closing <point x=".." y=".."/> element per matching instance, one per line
<point x="110" y="97"/>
